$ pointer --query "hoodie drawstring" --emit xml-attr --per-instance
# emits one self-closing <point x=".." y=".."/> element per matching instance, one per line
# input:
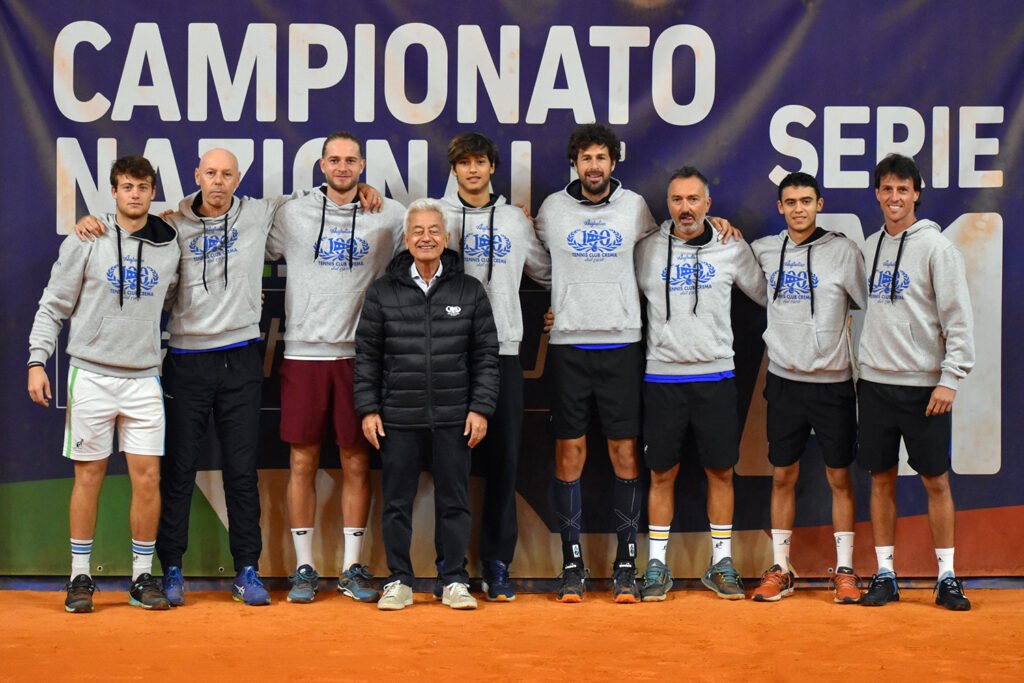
<point x="138" y="273"/>
<point x="896" y="268"/>
<point x="696" y="280"/>
<point x="462" y="235"/>
<point x="120" y="270"/>
<point x="782" y="264"/>
<point x="351" y="236"/>
<point x="668" y="280"/>
<point x="810" y="277"/>
<point x="323" y="215"/>
<point x="490" y="244"/>
<point x="204" y="257"/>
<point x="226" y="250"/>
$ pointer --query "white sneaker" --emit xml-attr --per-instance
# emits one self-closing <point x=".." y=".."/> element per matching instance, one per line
<point x="396" y="595"/>
<point x="456" y="596"/>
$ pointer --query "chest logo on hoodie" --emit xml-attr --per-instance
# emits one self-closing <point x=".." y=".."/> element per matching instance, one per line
<point x="475" y="246"/>
<point x="883" y="285"/>
<point x="594" y="241"/>
<point x="133" y="280"/>
<point x="795" y="285"/>
<point x="686" y="276"/>
<point x="334" y="252"/>
<point x="212" y="243"/>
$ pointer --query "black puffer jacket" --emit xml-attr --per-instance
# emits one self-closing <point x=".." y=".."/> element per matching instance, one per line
<point x="426" y="361"/>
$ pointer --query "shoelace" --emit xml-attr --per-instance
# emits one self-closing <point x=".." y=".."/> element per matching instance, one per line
<point x="952" y="585"/>
<point x="500" y="572"/>
<point x="459" y="590"/>
<point x="849" y="580"/>
<point x="252" y="578"/>
<point x="391" y="590"/>
<point x="730" y="575"/>
<point x="778" y="578"/>
<point x="654" y="574"/>
<point x="361" y="572"/>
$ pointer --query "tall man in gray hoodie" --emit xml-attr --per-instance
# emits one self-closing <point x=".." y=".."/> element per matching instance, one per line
<point x="687" y="276"/>
<point x="334" y="253"/>
<point x="809" y="383"/>
<point x="916" y="347"/>
<point x="112" y="290"/>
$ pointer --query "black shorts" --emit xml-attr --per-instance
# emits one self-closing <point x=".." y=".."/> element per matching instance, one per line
<point x="887" y="412"/>
<point x="707" y="408"/>
<point x="794" y="408"/>
<point x="608" y="377"/>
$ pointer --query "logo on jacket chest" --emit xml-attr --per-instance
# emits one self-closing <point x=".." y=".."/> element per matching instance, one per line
<point x="213" y="244"/>
<point x="594" y="241"/>
<point x="688" y="275"/>
<point x="796" y="286"/>
<point x="336" y="252"/>
<point x="886" y="281"/>
<point x="479" y="246"/>
<point x="134" y="280"/>
<point x="453" y="311"/>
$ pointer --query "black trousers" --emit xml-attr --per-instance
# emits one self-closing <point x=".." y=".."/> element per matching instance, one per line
<point x="497" y="458"/>
<point x="225" y="384"/>
<point x="401" y="452"/>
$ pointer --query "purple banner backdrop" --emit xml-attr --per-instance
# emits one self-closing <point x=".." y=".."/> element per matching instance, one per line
<point x="745" y="91"/>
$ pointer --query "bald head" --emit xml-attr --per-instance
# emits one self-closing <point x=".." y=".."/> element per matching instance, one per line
<point x="217" y="178"/>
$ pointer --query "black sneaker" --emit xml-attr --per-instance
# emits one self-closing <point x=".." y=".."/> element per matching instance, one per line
<point x="572" y="584"/>
<point x="882" y="591"/>
<point x="80" y="590"/>
<point x="951" y="595"/>
<point x="624" y="586"/>
<point x="148" y="593"/>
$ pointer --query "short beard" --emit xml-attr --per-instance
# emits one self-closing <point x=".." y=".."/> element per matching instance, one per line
<point x="342" y="189"/>
<point x="596" y="189"/>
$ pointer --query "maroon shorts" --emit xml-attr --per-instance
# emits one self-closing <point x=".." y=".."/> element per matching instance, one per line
<point x="313" y="391"/>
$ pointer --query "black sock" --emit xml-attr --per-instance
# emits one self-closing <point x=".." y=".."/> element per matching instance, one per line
<point x="569" y="507"/>
<point x="626" y="503"/>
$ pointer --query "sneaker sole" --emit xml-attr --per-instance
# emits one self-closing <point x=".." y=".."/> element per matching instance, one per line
<point x="349" y="594"/>
<point x="501" y="598"/>
<point x="725" y="596"/>
<point x="389" y="607"/>
<point x="954" y="608"/>
<point x="872" y="603"/>
<point x="570" y="598"/>
<point x="78" y="610"/>
<point x="772" y="598"/>
<point x="250" y="604"/>
<point x="300" y="601"/>
<point x="846" y="601"/>
<point x="461" y="606"/>
<point x="159" y="607"/>
<point x="627" y="599"/>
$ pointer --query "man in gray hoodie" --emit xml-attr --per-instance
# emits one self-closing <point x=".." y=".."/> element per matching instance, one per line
<point x="809" y="382"/>
<point x="112" y="290"/>
<point x="687" y="275"/>
<point x="334" y="253"/>
<point x="916" y="347"/>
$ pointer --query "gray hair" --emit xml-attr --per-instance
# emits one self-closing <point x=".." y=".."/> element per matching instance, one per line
<point x="426" y="204"/>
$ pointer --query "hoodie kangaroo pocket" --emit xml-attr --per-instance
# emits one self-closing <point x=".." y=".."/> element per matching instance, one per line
<point x="329" y="318"/>
<point x="592" y="307"/>
<point x="125" y="342"/>
<point x="696" y="342"/>
<point x="891" y="346"/>
<point x="794" y="345"/>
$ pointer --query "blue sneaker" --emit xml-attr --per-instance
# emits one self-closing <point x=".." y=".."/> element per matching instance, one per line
<point x="174" y="586"/>
<point x="355" y="583"/>
<point x="305" y="584"/>
<point x="249" y="589"/>
<point x="882" y="591"/>
<point x="496" y="585"/>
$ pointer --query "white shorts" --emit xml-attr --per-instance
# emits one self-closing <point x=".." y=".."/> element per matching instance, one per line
<point x="96" y="403"/>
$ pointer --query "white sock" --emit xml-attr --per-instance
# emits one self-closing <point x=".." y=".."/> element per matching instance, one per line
<point x="885" y="553"/>
<point x="81" y="557"/>
<point x="844" y="549"/>
<point x="657" y="538"/>
<point x="945" y="558"/>
<point x="142" y="558"/>
<point x="721" y="542"/>
<point x="780" y="547"/>
<point x="303" y="540"/>
<point x="353" y="546"/>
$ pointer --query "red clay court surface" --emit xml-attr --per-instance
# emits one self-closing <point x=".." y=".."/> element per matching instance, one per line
<point x="692" y="636"/>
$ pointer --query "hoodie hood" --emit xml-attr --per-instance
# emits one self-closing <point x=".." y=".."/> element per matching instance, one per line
<point x="155" y="232"/>
<point x="575" y="191"/>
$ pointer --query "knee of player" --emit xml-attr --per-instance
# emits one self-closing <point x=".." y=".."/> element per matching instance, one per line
<point x="936" y="485"/>
<point x="721" y="476"/>
<point x="785" y="477"/>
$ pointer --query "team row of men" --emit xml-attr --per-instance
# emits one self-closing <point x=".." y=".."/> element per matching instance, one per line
<point x="432" y="380"/>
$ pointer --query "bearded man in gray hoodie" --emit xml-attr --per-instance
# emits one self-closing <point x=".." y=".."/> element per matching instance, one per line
<point x="916" y="347"/>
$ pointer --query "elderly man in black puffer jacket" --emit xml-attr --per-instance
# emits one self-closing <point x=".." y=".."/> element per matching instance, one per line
<point x="426" y="380"/>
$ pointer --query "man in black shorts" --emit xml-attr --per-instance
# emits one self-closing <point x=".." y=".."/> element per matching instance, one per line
<point x="813" y="278"/>
<point x="687" y="276"/>
<point x="917" y="344"/>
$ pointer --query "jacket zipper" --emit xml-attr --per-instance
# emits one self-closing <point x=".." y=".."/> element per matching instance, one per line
<point x="430" y="379"/>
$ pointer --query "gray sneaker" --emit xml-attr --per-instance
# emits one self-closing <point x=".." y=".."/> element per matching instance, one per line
<point x="456" y="596"/>
<point x="396" y="596"/>
<point x="724" y="580"/>
<point x="657" y="582"/>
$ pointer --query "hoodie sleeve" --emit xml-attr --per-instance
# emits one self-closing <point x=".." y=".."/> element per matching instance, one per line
<point x="369" y="366"/>
<point x="277" y="237"/>
<point x="855" y="280"/>
<point x="483" y="356"/>
<point x="542" y="224"/>
<point x="645" y="221"/>
<point x="749" y="276"/>
<point x="538" y="260"/>
<point x="59" y="298"/>
<point x="956" y="319"/>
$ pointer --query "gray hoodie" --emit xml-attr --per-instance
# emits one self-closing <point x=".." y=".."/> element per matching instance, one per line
<point x="334" y="253"/>
<point x="688" y="287"/>
<point x="808" y="307"/>
<point x="221" y="272"/>
<point x="593" y="287"/>
<point x="919" y="327"/>
<point x="113" y="291"/>
<point x="497" y="243"/>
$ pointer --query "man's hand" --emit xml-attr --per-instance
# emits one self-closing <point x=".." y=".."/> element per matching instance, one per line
<point x="372" y="428"/>
<point x="89" y="228"/>
<point x="39" y="385"/>
<point x="726" y="229"/>
<point x="370" y="199"/>
<point x="941" y="401"/>
<point x="476" y="428"/>
<point x="549" y="320"/>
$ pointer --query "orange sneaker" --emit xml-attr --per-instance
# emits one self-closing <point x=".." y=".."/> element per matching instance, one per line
<point x="775" y="585"/>
<point x="844" y="587"/>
